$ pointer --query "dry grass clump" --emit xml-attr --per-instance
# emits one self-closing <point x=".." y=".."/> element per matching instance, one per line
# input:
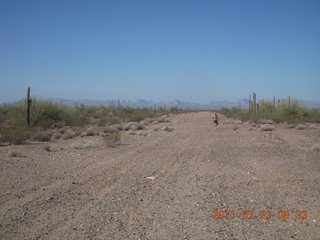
<point x="130" y="126"/>
<point x="68" y="134"/>
<point x="63" y="130"/>
<point x="315" y="147"/>
<point x="56" y="136"/>
<point x="162" y="120"/>
<point x="47" y="147"/>
<point x="14" y="153"/>
<point x="312" y="126"/>
<point x="112" y="139"/>
<point x="143" y="134"/>
<point x="93" y="131"/>
<point x="168" y="129"/>
<point x="148" y="120"/>
<point x="267" y="127"/>
<point x="77" y="131"/>
<point x="140" y="126"/>
<point x="145" y="122"/>
<point x="14" y="135"/>
<point x="110" y="129"/>
<point x="301" y="127"/>
<point x="83" y="134"/>
<point x="118" y="126"/>
<point x="86" y="145"/>
<point x="42" y="136"/>
<point x="265" y="121"/>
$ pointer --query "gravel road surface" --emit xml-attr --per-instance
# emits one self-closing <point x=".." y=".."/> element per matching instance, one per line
<point x="166" y="185"/>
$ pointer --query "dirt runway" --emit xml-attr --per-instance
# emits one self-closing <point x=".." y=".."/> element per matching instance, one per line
<point x="166" y="185"/>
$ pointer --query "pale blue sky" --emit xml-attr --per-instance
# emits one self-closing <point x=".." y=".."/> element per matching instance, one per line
<point x="194" y="51"/>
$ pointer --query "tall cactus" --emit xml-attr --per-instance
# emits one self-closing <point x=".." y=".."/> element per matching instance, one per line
<point x="274" y="103"/>
<point x="28" y="106"/>
<point x="250" y="104"/>
<point x="254" y="104"/>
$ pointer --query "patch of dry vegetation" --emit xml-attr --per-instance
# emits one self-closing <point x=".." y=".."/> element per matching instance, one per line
<point x="267" y="127"/>
<point x="14" y="153"/>
<point x="15" y="135"/>
<point x="316" y="147"/>
<point x="85" y="145"/>
<point x="68" y="134"/>
<point x="43" y="136"/>
<point x="112" y="139"/>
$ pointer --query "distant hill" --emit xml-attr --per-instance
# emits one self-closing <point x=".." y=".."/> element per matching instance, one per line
<point x="141" y="103"/>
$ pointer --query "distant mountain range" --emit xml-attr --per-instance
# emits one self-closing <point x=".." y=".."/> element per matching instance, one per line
<point x="141" y="103"/>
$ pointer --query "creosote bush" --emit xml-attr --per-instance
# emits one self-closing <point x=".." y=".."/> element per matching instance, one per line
<point x="111" y="139"/>
<point x="14" y="134"/>
<point x="292" y="112"/>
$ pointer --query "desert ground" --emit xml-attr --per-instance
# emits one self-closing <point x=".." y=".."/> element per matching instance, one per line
<point x="161" y="184"/>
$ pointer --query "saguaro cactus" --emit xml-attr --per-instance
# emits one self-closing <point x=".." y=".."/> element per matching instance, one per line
<point x="254" y="103"/>
<point x="28" y="106"/>
<point x="250" y="104"/>
<point x="274" y="103"/>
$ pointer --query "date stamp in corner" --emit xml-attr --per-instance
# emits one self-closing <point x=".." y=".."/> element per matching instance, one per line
<point x="259" y="215"/>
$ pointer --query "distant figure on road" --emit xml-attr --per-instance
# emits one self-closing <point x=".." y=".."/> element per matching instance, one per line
<point x="215" y="119"/>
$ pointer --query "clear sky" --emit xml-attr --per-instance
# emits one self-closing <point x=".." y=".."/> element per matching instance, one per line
<point x="195" y="51"/>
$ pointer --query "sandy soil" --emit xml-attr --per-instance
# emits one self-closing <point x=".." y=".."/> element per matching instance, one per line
<point x="165" y="185"/>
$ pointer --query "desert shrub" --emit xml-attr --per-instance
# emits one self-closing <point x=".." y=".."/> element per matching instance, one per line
<point x="68" y="134"/>
<point x="108" y="121"/>
<point x="267" y="127"/>
<point x="112" y="139"/>
<point x="13" y="153"/>
<point x="118" y="126"/>
<point x="110" y="129"/>
<point x="43" y="136"/>
<point x="175" y="110"/>
<point x="235" y="112"/>
<point x="168" y="129"/>
<point x="93" y="131"/>
<point x="83" y="134"/>
<point x="56" y="135"/>
<point x="292" y="112"/>
<point x="264" y="121"/>
<point x="14" y="134"/>
<point x="301" y="127"/>
<point x="130" y="126"/>
<point x="77" y="131"/>
<point x="140" y="126"/>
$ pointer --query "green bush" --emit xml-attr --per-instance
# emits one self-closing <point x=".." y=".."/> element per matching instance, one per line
<point x="284" y="112"/>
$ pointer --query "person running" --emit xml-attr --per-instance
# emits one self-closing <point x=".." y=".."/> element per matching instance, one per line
<point x="215" y="119"/>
